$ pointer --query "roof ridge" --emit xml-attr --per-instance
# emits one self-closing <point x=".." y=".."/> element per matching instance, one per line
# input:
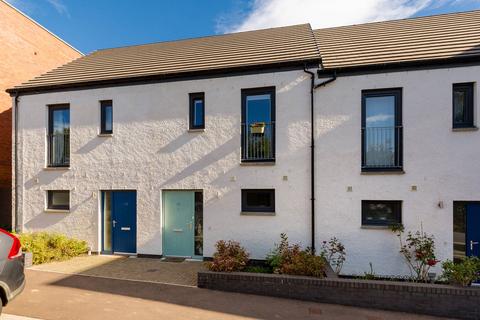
<point x="402" y="19"/>
<point x="202" y="37"/>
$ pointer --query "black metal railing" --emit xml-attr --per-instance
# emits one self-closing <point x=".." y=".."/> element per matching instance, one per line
<point x="382" y="147"/>
<point x="258" y="141"/>
<point x="58" y="150"/>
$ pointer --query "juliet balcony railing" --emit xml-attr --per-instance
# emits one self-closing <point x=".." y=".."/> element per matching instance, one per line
<point x="382" y="148"/>
<point x="258" y="142"/>
<point x="58" y="150"/>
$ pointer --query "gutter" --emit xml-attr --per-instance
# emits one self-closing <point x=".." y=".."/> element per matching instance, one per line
<point x="314" y="86"/>
<point x="16" y="216"/>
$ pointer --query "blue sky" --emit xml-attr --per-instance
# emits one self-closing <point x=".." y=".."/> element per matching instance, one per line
<point x="94" y="24"/>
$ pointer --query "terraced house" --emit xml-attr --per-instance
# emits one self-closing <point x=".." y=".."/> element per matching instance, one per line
<point x="166" y="148"/>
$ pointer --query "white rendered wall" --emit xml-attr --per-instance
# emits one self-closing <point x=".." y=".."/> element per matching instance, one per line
<point x="151" y="150"/>
<point x="444" y="165"/>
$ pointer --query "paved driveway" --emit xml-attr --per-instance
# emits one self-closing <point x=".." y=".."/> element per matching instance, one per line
<point x="52" y="295"/>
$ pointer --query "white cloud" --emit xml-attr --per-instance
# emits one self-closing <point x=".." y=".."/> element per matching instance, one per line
<point x="326" y="13"/>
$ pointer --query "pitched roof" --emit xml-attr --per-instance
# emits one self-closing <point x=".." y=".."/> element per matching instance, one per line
<point x="441" y="37"/>
<point x="283" y="45"/>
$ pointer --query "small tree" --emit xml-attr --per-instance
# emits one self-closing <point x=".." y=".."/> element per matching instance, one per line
<point x="334" y="252"/>
<point x="418" y="251"/>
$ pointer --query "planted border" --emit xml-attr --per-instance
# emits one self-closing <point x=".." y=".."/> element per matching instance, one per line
<point x="430" y="299"/>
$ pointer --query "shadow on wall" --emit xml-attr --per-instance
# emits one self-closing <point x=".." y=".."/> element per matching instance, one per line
<point x="44" y="220"/>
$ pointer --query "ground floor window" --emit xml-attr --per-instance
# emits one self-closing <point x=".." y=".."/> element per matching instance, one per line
<point x="381" y="212"/>
<point x="58" y="199"/>
<point x="258" y="200"/>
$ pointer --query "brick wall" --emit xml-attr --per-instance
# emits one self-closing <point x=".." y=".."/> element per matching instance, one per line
<point x="437" y="300"/>
<point x="26" y="50"/>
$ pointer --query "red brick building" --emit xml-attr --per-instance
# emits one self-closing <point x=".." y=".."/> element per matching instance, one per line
<point x="26" y="50"/>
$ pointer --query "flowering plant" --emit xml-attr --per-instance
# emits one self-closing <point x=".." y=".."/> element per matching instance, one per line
<point x="334" y="252"/>
<point x="418" y="251"/>
<point x="229" y="257"/>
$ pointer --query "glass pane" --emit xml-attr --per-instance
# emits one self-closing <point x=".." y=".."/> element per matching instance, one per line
<point x="459" y="218"/>
<point x="380" y="131"/>
<point x="198" y="223"/>
<point x="107" y="221"/>
<point x="258" y="109"/>
<point x="380" y="213"/>
<point x="108" y="114"/>
<point x="58" y="199"/>
<point x="60" y="136"/>
<point x="459" y="99"/>
<point x="198" y="113"/>
<point x="259" y="199"/>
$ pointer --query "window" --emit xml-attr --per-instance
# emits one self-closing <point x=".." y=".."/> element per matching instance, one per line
<point x="382" y="134"/>
<point x="58" y="200"/>
<point x="258" y="200"/>
<point x="381" y="213"/>
<point x="197" y="110"/>
<point x="59" y="135"/>
<point x="106" y="117"/>
<point x="258" y="124"/>
<point x="463" y="105"/>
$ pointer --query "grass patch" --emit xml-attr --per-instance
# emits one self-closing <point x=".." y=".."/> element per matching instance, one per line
<point x="47" y="247"/>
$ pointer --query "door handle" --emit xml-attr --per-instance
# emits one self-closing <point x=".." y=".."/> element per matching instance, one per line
<point x="472" y="243"/>
<point x="114" y="223"/>
<point x="190" y="226"/>
<point x="177" y="230"/>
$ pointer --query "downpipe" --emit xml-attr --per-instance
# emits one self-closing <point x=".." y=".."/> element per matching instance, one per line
<point x="314" y="86"/>
<point x="16" y="215"/>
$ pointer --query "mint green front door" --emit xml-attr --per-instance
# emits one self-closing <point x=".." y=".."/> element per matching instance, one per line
<point x="179" y="215"/>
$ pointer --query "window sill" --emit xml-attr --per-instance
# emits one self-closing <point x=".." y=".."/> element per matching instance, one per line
<point x="56" y="168"/>
<point x="257" y="163"/>
<point x="381" y="172"/>
<point x="105" y="134"/>
<point x="254" y="213"/>
<point x="196" y="130"/>
<point x="56" y="211"/>
<point x="375" y="227"/>
<point x="465" y="129"/>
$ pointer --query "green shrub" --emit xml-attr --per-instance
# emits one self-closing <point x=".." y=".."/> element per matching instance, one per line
<point x="258" y="269"/>
<point x="462" y="273"/>
<point x="292" y="260"/>
<point x="229" y="257"/>
<point x="47" y="247"/>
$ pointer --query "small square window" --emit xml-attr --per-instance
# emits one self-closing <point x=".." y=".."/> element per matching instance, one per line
<point x="463" y="105"/>
<point x="106" y="126"/>
<point x="197" y="110"/>
<point x="381" y="213"/>
<point x="258" y="200"/>
<point x="58" y="199"/>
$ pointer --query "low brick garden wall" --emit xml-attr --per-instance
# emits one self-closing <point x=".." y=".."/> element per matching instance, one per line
<point x="431" y="299"/>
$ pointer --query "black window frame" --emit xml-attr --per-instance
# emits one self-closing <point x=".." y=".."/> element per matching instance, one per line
<point x="271" y="90"/>
<point x="468" y="121"/>
<point x="104" y="104"/>
<point x="397" y="206"/>
<point x="51" y="109"/>
<point x="193" y="97"/>
<point x="397" y="93"/>
<point x="51" y="206"/>
<point x="246" y="208"/>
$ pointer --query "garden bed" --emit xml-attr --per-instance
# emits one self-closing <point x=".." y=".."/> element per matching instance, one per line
<point x="423" y="298"/>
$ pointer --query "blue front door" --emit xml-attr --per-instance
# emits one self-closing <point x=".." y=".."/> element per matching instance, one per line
<point x="473" y="229"/>
<point x="124" y="221"/>
<point x="179" y="214"/>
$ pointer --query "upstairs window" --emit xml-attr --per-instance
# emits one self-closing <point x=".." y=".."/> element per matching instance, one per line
<point x="258" y="125"/>
<point x="58" y="199"/>
<point x="59" y="135"/>
<point x="106" y="117"/>
<point x="258" y="200"/>
<point x="197" y="111"/>
<point x="382" y="132"/>
<point x="463" y="105"/>
<point x="381" y="213"/>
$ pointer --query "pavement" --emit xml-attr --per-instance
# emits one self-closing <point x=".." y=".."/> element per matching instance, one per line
<point x="53" y="295"/>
